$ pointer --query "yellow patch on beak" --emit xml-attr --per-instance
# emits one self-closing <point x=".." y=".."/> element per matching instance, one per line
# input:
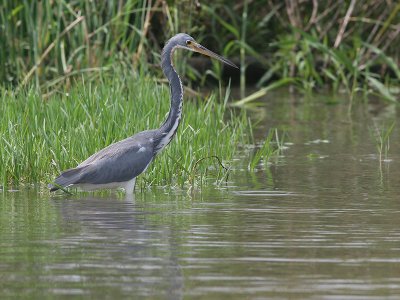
<point x="203" y="50"/>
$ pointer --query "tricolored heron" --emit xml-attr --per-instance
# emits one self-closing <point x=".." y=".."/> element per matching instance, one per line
<point x="118" y="165"/>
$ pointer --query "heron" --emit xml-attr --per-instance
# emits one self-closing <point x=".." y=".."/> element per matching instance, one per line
<point x="118" y="165"/>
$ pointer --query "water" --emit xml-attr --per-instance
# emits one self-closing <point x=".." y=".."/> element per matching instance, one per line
<point x="321" y="222"/>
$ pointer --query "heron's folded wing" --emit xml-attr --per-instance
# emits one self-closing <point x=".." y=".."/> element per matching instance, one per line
<point x="118" y="163"/>
<point x="67" y="178"/>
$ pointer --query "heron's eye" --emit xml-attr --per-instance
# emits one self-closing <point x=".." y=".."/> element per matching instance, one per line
<point x="188" y="42"/>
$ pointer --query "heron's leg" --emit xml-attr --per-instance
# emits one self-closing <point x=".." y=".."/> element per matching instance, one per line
<point x="130" y="198"/>
<point x="130" y="186"/>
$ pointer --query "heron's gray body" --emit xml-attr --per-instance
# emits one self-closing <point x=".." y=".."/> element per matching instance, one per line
<point x="118" y="164"/>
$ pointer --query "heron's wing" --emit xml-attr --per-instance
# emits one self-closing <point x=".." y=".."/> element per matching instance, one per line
<point x="67" y="178"/>
<point x="118" y="162"/>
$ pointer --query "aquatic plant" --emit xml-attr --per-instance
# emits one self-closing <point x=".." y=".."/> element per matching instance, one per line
<point x="271" y="146"/>
<point x="310" y="45"/>
<point x="313" y="45"/>
<point x="42" y="137"/>
<point x="381" y="135"/>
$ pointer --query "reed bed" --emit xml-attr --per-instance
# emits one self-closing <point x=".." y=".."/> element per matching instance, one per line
<point x="40" y="137"/>
<point x="345" y="46"/>
<point x="66" y="92"/>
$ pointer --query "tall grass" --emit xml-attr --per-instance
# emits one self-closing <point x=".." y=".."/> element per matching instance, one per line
<point x="41" y="138"/>
<point x="349" y="46"/>
<point x="344" y="46"/>
<point x="346" y="68"/>
<point x="46" y="40"/>
<point x="381" y="137"/>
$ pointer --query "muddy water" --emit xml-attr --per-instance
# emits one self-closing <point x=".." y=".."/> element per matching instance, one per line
<point x="319" y="222"/>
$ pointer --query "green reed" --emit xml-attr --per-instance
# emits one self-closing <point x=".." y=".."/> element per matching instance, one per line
<point x="381" y="135"/>
<point x="272" y="146"/>
<point x="41" y="137"/>
<point x="42" y="40"/>
<point x="312" y="45"/>
<point x="309" y="45"/>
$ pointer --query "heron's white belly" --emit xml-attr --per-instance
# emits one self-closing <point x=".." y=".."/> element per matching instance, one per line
<point x="127" y="185"/>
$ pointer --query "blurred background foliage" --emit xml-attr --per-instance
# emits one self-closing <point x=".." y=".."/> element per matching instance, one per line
<point x="339" y="45"/>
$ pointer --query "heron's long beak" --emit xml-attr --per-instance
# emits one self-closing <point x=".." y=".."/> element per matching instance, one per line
<point x="203" y="50"/>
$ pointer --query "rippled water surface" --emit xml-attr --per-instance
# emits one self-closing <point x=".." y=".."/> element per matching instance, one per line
<point x="320" y="222"/>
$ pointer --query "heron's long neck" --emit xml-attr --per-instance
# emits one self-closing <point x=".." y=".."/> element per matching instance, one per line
<point x="170" y="126"/>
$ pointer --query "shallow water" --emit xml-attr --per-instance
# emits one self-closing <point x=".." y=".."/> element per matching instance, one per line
<point x="321" y="222"/>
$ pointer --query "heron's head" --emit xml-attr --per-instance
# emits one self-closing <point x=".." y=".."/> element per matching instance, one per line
<point x="185" y="41"/>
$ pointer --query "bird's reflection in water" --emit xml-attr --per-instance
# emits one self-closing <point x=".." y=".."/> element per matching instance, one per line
<point x="116" y="238"/>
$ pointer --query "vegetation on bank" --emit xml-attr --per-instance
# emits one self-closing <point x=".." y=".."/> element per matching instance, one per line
<point x="344" y="45"/>
<point x="41" y="138"/>
<point x="78" y="75"/>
